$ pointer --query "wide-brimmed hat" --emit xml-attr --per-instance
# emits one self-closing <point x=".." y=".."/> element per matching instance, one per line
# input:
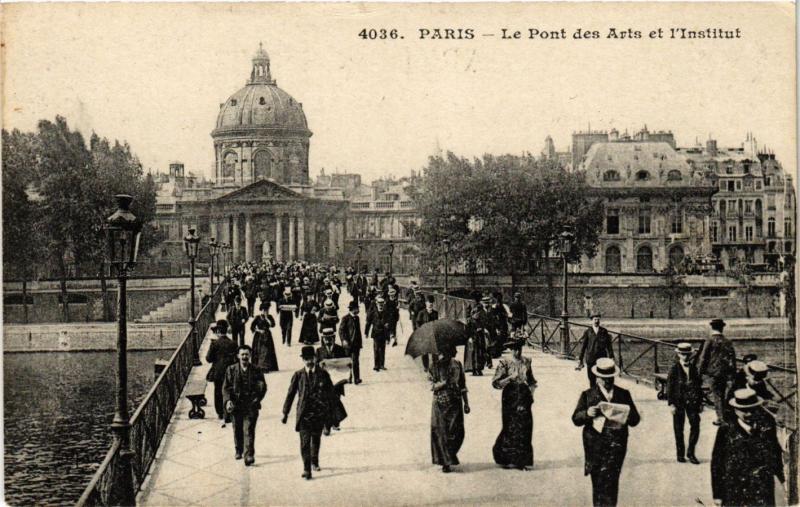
<point x="717" y="324"/>
<point x="328" y="331"/>
<point x="684" y="348"/>
<point x="391" y="291"/>
<point x="307" y="352"/>
<point x="605" y="367"/>
<point x="745" y="399"/>
<point x="758" y="369"/>
<point x="221" y="326"/>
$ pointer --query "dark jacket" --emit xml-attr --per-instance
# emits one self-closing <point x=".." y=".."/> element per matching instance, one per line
<point x="606" y="449"/>
<point x="423" y="317"/>
<point x="245" y="389"/>
<point x="683" y="391"/>
<point x="350" y="332"/>
<point x="221" y="354"/>
<point x="262" y="323"/>
<point x="237" y="317"/>
<point x="519" y="313"/>
<point x="379" y="323"/>
<point x="314" y="392"/>
<point x="327" y="318"/>
<point x="743" y="466"/>
<point x="336" y="351"/>
<point x="595" y="346"/>
<point x="718" y="358"/>
<point x="416" y="304"/>
<point x="740" y="382"/>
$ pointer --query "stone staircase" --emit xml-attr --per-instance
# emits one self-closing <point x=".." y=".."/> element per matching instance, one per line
<point x="176" y="310"/>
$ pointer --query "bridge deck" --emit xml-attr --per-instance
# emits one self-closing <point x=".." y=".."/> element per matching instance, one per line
<point x="382" y="453"/>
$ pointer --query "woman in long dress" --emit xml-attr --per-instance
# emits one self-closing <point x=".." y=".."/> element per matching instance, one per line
<point x="264" y="357"/>
<point x="447" y="413"/>
<point x="308" y="331"/>
<point x="514" y="376"/>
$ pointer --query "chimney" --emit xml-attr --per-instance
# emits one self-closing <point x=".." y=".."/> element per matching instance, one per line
<point x="711" y="147"/>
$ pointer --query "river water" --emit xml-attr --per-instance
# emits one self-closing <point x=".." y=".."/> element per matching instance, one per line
<point x="58" y="407"/>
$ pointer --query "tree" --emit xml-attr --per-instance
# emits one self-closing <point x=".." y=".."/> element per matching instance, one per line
<point x="522" y="203"/>
<point x="22" y="239"/>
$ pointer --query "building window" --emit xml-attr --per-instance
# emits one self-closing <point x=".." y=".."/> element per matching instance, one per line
<point x="771" y="227"/>
<point x="676" y="255"/>
<point x="644" y="260"/>
<point x="738" y="185"/>
<point x="758" y="184"/>
<point x="233" y="102"/>
<point x="644" y="221"/>
<point x="611" y="176"/>
<point x="674" y="175"/>
<point x="787" y="228"/>
<point x="642" y="176"/>
<point x="732" y="206"/>
<point x="748" y="206"/>
<point x="787" y="247"/>
<point x="722" y="185"/>
<point x="748" y="233"/>
<point x="731" y="186"/>
<point x="728" y="169"/>
<point x="612" y="221"/>
<point x="677" y="222"/>
<point x="767" y="181"/>
<point x="714" y="232"/>
<point x="732" y="233"/>
<point x="613" y="260"/>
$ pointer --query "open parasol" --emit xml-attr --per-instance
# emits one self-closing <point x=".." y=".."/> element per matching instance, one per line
<point x="436" y="336"/>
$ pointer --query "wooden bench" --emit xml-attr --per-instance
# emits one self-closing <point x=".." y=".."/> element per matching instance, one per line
<point x="196" y="393"/>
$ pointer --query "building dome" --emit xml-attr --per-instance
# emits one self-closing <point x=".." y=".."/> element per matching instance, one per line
<point x="261" y="132"/>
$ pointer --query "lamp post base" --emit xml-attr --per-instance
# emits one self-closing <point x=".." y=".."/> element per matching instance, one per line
<point x="196" y="349"/>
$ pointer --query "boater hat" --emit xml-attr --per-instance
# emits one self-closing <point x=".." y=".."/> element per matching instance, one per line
<point x="758" y="369"/>
<point x="684" y="348"/>
<point x="328" y="331"/>
<point x="486" y="299"/>
<point x="307" y="352"/>
<point x="287" y="290"/>
<point x="328" y="303"/>
<point x="745" y="399"/>
<point x="605" y="367"/>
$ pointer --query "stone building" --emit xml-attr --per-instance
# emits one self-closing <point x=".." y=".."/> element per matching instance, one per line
<point x="261" y="201"/>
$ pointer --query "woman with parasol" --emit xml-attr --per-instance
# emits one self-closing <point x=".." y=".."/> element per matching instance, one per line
<point x="264" y="357"/>
<point x="514" y="376"/>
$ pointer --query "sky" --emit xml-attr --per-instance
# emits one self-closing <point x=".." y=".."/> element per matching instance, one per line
<point x="155" y="74"/>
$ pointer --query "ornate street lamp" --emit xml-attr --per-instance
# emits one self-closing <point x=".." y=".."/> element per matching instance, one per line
<point x="358" y="258"/>
<point x="123" y="231"/>
<point x="565" y="240"/>
<point x="475" y="226"/>
<point x="190" y="245"/>
<point x="391" y="257"/>
<point x="212" y="253"/>
<point x="446" y="243"/>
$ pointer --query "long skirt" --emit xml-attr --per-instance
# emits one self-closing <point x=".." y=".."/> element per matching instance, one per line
<point x="475" y="354"/>
<point x="264" y="357"/>
<point x="514" y="444"/>
<point x="308" y="331"/>
<point x="447" y="427"/>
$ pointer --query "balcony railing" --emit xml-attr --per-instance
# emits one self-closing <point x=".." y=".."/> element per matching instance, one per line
<point x="382" y="205"/>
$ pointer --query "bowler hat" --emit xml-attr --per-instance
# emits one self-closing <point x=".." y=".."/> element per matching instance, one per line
<point x="745" y="399"/>
<point x="758" y="369"/>
<point x="307" y="352"/>
<point x="352" y="306"/>
<point x="222" y="326"/>
<point x="717" y="324"/>
<point x="684" y="348"/>
<point x="605" y="367"/>
<point x="430" y="299"/>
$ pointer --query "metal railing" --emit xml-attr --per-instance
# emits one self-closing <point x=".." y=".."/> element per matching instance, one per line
<point x="150" y="421"/>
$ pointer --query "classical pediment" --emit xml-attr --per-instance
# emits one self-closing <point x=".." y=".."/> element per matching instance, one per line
<point x="263" y="190"/>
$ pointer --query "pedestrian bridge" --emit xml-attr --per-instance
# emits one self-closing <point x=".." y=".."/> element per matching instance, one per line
<point x="382" y="453"/>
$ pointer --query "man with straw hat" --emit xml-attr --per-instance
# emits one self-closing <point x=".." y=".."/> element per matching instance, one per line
<point x="605" y="411"/>
<point x="685" y="400"/>
<point x="747" y="456"/>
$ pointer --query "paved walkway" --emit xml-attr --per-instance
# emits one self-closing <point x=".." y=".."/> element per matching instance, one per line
<point x="382" y="454"/>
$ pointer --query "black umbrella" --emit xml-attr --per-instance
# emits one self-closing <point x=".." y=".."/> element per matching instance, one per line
<point x="436" y="336"/>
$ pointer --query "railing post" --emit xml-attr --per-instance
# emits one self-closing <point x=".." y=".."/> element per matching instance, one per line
<point x="655" y="357"/>
<point x="196" y="343"/>
<point x="619" y="352"/>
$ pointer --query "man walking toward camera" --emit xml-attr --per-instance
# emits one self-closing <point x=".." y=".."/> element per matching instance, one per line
<point x="243" y="390"/>
<point x="717" y="366"/>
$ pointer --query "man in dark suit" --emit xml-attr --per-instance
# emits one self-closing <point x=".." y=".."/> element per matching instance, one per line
<point x="519" y="312"/>
<point x="423" y="316"/>
<point x="605" y="442"/>
<point x="596" y="344"/>
<point x="685" y="400"/>
<point x="243" y="390"/>
<point x="314" y="389"/>
<point x="286" y="308"/>
<point x="747" y="456"/>
<point x="237" y="317"/>
<point x="379" y="322"/>
<point x="717" y="366"/>
<point x="416" y="304"/>
<point x="221" y="354"/>
<point x="350" y="335"/>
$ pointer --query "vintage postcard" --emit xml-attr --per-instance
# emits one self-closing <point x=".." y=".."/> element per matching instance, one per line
<point x="326" y="253"/>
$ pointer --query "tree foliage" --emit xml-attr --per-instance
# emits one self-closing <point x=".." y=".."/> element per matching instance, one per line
<point x="522" y="203"/>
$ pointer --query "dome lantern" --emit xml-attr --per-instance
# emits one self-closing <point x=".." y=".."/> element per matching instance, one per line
<point x="261" y="73"/>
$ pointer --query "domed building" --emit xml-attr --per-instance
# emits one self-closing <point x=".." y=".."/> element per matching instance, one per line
<point x="261" y="201"/>
<point x="261" y="133"/>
